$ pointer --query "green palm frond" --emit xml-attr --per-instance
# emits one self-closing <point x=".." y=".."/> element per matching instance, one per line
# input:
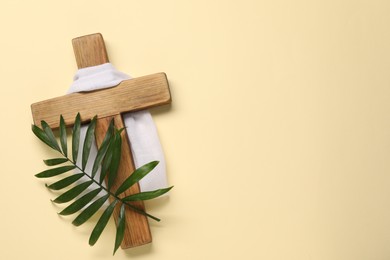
<point x="107" y="160"/>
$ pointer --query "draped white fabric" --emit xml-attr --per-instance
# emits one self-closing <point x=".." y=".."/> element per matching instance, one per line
<point x="140" y="128"/>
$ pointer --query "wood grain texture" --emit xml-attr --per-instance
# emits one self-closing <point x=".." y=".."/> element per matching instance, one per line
<point x="137" y="231"/>
<point x="131" y="95"/>
<point x="90" y="50"/>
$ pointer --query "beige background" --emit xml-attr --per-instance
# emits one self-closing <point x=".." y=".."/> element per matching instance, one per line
<point x="277" y="141"/>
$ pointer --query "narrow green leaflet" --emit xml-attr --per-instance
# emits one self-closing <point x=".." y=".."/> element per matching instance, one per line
<point x="80" y="203"/>
<point x="42" y="135"/>
<point x="89" y="138"/>
<point x="65" y="182"/>
<point x="106" y="161"/>
<point x="136" y="176"/>
<point x="55" y="171"/>
<point x="116" y="157"/>
<point x="147" y="195"/>
<point x="103" y="149"/>
<point x="50" y="135"/>
<point x="73" y="192"/>
<point x="55" y="161"/>
<point x="90" y="211"/>
<point x="102" y="222"/>
<point x="63" y="136"/>
<point x="76" y="138"/>
<point x="120" y="230"/>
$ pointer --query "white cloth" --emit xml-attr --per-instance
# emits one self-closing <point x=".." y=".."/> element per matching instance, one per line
<point x="140" y="128"/>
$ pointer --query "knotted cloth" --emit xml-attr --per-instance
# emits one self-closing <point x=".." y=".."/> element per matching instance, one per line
<point x="140" y="128"/>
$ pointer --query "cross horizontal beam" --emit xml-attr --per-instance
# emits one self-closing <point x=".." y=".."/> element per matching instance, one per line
<point x="130" y="95"/>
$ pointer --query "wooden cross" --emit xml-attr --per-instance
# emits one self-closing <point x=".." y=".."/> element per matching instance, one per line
<point x="130" y="95"/>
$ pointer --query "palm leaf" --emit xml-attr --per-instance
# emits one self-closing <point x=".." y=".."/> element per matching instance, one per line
<point x="90" y="211"/>
<point x="136" y="176"/>
<point x="120" y="230"/>
<point x="108" y="159"/>
<point x="65" y="182"/>
<point x="102" y="222"/>
<point x="76" y="138"/>
<point x="89" y="138"/>
<point x="73" y="192"/>
<point x="63" y="136"/>
<point x="80" y="203"/>
<point x="55" y="171"/>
